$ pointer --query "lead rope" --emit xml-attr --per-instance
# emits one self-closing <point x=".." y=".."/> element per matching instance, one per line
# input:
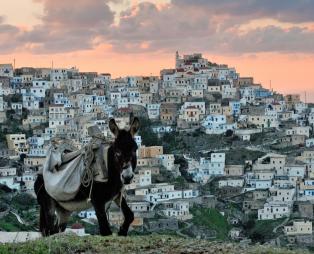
<point x="90" y="191"/>
<point x="123" y="191"/>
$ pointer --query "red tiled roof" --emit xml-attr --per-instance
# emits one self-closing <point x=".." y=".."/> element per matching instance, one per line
<point x="124" y="109"/>
<point x="77" y="226"/>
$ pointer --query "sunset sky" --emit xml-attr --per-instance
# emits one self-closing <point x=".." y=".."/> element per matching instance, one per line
<point x="267" y="39"/>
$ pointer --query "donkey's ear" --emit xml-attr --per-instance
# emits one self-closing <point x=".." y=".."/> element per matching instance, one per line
<point x="134" y="126"/>
<point x="113" y="127"/>
<point x="131" y="118"/>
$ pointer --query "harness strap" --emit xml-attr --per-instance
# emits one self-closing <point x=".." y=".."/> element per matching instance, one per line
<point x="39" y="189"/>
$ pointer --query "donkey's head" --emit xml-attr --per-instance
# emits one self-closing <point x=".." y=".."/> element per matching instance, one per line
<point x="124" y="148"/>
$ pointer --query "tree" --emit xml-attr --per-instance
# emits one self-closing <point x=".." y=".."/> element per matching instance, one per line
<point x="22" y="157"/>
<point x="149" y="138"/>
<point x="16" y="98"/>
<point x="24" y="200"/>
<point x="229" y="133"/>
<point x="25" y="113"/>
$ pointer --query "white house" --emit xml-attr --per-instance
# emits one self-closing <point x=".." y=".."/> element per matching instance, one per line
<point x="245" y="134"/>
<point x="273" y="211"/>
<point x="123" y="102"/>
<point x="153" y="111"/>
<point x="293" y="171"/>
<point x="28" y="178"/>
<point x="217" y="124"/>
<point x="58" y="74"/>
<point x="38" y="92"/>
<point x="206" y="168"/>
<point x="177" y="209"/>
<point x="311" y="117"/>
<point x="42" y="84"/>
<point x="154" y="188"/>
<point x="6" y="70"/>
<point x="300" y="107"/>
<point x="7" y="171"/>
<point x="235" y="107"/>
<point x="309" y="142"/>
<point x="263" y="184"/>
<point x="167" y="160"/>
<point x="158" y="193"/>
<point x="299" y="130"/>
<point x="198" y="105"/>
<point x="30" y="101"/>
<point x="264" y="121"/>
<point x="138" y="140"/>
<point x="232" y="182"/>
<point x="299" y="227"/>
<point x="102" y="79"/>
<point x="162" y="129"/>
<point x="140" y="206"/>
<point x="2" y="104"/>
<point x="17" y="142"/>
<point x="306" y="191"/>
<point x="88" y="214"/>
<point x="57" y="116"/>
<point x="142" y="179"/>
<point x="115" y="97"/>
<point x="17" y="107"/>
<point x="248" y="93"/>
<point x="10" y="181"/>
<point x="282" y="194"/>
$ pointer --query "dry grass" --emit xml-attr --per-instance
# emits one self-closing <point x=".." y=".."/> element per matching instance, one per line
<point x="135" y="244"/>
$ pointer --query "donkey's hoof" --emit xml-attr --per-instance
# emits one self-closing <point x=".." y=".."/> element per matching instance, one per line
<point x="122" y="232"/>
<point x="108" y="233"/>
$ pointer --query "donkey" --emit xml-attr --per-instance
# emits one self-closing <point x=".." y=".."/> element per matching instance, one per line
<point x="121" y="165"/>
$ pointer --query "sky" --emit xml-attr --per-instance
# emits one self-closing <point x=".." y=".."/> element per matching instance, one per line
<point x="271" y="40"/>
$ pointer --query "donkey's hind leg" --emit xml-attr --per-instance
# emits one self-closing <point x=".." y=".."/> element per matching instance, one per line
<point x="62" y="219"/>
<point x="127" y="214"/>
<point x="47" y="208"/>
<point x="47" y="216"/>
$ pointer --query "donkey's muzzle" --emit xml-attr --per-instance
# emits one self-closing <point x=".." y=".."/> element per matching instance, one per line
<point x="127" y="174"/>
<point x="128" y="179"/>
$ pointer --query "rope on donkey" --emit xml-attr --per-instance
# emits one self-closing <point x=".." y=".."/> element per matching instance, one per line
<point x="89" y="157"/>
<point x="88" y="176"/>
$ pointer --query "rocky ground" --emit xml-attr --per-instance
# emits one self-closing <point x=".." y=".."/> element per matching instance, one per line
<point x="134" y="244"/>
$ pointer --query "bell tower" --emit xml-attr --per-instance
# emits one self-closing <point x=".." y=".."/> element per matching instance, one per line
<point x="177" y="59"/>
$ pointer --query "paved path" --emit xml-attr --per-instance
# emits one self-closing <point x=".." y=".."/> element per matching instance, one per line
<point x="281" y="225"/>
<point x="20" y="220"/>
<point x="179" y="232"/>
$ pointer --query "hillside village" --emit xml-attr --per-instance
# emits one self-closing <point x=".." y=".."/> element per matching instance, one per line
<point x="220" y="157"/>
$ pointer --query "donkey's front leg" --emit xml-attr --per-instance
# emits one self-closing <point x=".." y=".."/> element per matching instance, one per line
<point x="103" y="223"/>
<point x="127" y="214"/>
